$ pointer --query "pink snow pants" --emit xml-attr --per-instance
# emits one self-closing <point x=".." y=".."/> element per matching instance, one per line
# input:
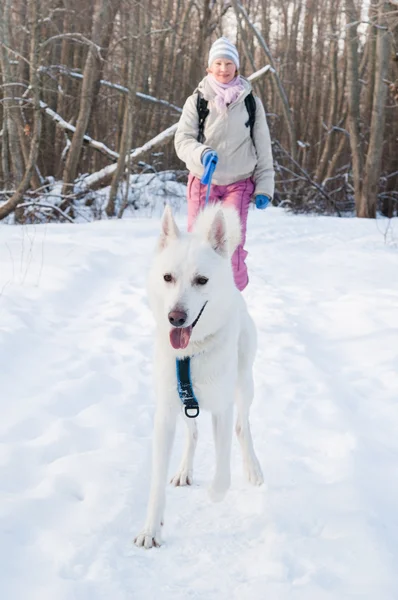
<point x="235" y="194"/>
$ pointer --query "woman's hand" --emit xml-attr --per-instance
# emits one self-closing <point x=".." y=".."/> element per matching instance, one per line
<point x="262" y="201"/>
<point x="209" y="160"/>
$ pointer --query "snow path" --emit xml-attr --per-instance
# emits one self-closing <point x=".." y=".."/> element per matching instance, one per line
<point x="77" y="408"/>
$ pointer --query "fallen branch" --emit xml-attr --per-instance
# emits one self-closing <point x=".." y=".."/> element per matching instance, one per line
<point x="115" y="86"/>
<point x="87" y="139"/>
<point x="104" y="173"/>
<point x="45" y="205"/>
<point x="100" y="146"/>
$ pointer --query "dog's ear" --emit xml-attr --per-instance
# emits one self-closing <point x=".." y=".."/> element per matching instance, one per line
<point x="221" y="227"/>
<point x="170" y="230"/>
<point x="218" y="234"/>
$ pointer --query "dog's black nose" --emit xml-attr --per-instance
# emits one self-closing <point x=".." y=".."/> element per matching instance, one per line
<point x="177" y="317"/>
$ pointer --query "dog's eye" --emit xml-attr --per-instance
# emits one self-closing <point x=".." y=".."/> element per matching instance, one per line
<point x="201" y="280"/>
<point x="168" y="277"/>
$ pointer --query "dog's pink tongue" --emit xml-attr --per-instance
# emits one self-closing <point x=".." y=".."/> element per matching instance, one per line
<point x="179" y="337"/>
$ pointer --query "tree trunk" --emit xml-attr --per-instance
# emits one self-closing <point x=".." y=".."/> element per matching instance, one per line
<point x="333" y="99"/>
<point x="64" y="82"/>
<point x="371" y="66"/>
<point x="353" y="95"/>
<point x="96" y="121"/>
<point x="373" y="160"/>
<point x="306" y="72"/>
<point x="281" y="91"/>
<point x="125" y="142"/>
<point x="5" y="156"/>
<point x="11" y="109"/>
<point x="90" y="76"/>
<point x="34" y="59"/>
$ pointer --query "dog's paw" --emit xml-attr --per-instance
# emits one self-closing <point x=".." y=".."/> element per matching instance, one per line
<point x="182" y="477"/>
<point x="218" y="490"/>
<point x="254" y="473"/>
<point x="148" y="539"/>
<point x="216" y="495"/>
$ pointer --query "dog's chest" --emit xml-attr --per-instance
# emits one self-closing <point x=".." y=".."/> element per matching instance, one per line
<point x="213" y="373"/>
<point x="214" y="380"/>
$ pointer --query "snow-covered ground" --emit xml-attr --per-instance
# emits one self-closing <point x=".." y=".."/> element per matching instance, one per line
<point x="77" y="407"/>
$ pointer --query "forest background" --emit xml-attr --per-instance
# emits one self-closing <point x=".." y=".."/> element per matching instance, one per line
<point x="91" y="93"/>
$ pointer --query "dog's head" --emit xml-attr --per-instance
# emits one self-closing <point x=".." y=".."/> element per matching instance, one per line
<point x="191" y="283"/>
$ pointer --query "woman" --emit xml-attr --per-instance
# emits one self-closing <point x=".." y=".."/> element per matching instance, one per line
<point x="239" y="155"/>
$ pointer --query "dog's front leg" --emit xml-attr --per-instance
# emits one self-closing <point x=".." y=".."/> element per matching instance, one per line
<point x="163" y="436"/>
<point x="184" y="473"/>
<point x="222" y="432"/>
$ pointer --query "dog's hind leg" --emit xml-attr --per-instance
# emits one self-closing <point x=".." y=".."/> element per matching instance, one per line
<point x="165" y="421"/>
<point x="245" y="393"/>
<point x="184" y="473"/>
<point x="222" y="432"/>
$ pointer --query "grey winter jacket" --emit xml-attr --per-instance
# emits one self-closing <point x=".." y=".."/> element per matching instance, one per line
<point x="238" y="157"/>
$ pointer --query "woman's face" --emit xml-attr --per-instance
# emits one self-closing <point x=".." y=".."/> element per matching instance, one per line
<point x="222" y="69"/>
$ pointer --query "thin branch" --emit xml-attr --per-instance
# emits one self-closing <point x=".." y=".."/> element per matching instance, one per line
<point x="308" y="178"/>
<point x="17" y="54"/>
<point x="74" y="37"/>
<point x="115" y="86"/>
<point x="45" y="205"/>
<point x="161" y="138"/>
<point x="100" y="146"/>
<point x="13" y="84"/>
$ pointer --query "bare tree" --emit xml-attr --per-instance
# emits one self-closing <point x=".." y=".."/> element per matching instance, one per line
<point x="12" y="154"/>
<point x="90" y="77"/>
<point x="240" y="10"/>
<point x="334" y="91"/>
<point x="353" y="96"/>
<point x="327" y="90"/>
<point x="125" y="142"/>
<point x="368" y="201"/>
<point x="34" y="56"/>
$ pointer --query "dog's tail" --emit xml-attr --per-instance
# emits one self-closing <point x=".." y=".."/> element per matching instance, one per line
<point x="233" y="226"/>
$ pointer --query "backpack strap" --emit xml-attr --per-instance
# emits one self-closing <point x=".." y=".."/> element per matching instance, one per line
<point x="203" y="111"/>
<point x="250" y="103"/>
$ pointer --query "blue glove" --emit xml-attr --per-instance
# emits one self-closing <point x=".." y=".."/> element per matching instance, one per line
<point x="262" y="201"/>
<point x="209" y="160"/>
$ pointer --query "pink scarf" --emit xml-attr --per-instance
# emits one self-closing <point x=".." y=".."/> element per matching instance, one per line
<point x="226" y="93"/>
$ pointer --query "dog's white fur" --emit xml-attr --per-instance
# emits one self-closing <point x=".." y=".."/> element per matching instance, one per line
<point x="222" y="347"/>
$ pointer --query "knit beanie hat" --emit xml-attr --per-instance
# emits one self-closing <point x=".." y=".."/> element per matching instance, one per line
<point x="223" y="48"/>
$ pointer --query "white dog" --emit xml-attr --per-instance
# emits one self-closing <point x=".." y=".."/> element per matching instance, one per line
<point x="199" y="314"/>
